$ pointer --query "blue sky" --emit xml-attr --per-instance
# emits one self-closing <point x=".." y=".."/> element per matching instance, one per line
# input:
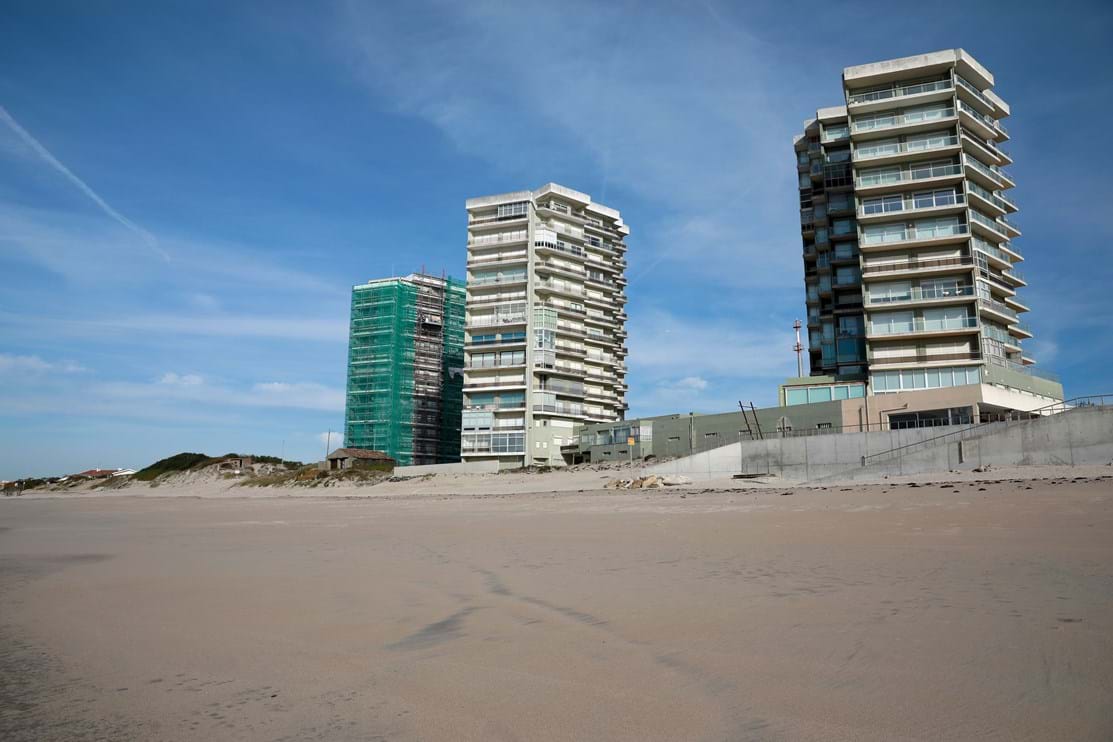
<point x="188" y="190"/>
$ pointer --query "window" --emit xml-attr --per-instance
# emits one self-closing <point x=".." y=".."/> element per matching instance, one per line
<point x="819" y="394"/>
<point x="513" y="211"/>
<point x="882" y="204"/>
<point x="483" y="339"/>
<point x="513" y="337"/>
<point x="842" y="226"/>
<point x="895" y="381"/>
<point x="929" y="199"/>
<point x="880" y="175"/>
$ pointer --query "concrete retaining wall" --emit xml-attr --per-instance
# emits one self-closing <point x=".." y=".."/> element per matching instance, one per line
<point x="1080" y="436"/>
<point x="463" y="467"/>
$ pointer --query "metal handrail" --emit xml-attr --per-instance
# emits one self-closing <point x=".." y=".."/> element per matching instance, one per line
<point x="1091" y="400"/>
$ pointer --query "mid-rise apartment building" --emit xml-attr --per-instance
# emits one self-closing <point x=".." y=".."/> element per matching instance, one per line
<point x="405" y="368"/>
<point x="545" y="338"/>
<point x="908" y="232"/>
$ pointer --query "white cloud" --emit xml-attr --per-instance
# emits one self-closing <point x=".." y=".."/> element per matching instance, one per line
<point x="209" y="325"/>
<point x="35" y="364"/>
<point x="691" y="382"/>
<point x="173" y="379"/>
<point x="310" y="395"/>
<point x="629" y="107"/>
<point x="334" y="440"/>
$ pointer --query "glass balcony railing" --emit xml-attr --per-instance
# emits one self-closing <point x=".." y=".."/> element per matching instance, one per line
<point x="921" y="294"/>
<point x="921" y="145"/>
<point x="963" y="83"/>
<point x="913" y="233"/>
<point x="998" y="307"/>
<point x="906" y="176"/>
<point x="930" y="200"/>
<point x="898" y="91"/>
<point x="985" y="119"/>
<point x="920" y="324"/>
<point x="890" y="121"/>
<point x="980" y="218"/>
<point x="993" y="198"/>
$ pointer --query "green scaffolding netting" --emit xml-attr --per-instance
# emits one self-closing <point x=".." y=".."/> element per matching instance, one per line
<point x="379" y="411"/>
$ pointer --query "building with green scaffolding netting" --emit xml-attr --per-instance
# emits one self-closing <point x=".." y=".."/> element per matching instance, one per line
<point x="405" y="368"/>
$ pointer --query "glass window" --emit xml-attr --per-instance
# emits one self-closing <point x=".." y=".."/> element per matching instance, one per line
<point x="796" y="396"/>
<point x="841" y="392"/>
<point x="819" y="394"/>
<point x="856" y="391"/>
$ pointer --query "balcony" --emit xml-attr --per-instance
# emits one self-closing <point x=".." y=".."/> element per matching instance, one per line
<point x="967" y="90"/>
<point x="986" y="199"/>
<point x="1023" y="369"/>
<point x="987" y="176"/>
<point x="983" y="148"/>
<point x="559" y="288"/>
<point x="883" y="153"/>
<point x="914" y="236"/>
<point x="919" y="175"/>
<point x="933" y="265"/>
<point x="573" y="410"/>
<point x="921" y="359"/>
<point x="497" y="280"/>
<point x="509" y="319"/>
<point x="983" y="124"/>
<point x="987" y="227"/>
<point x="897" y="92"/>
<point x="930" y="204"/>
<point x="886" y="124"/>
<point x="917" y="295"/>
<point x="919" y="325"/>
<point x="997" y="308"/>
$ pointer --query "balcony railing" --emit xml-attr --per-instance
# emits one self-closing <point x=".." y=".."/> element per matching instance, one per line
<point x="1021" y="368"/>
<point x="972" y="355"/>
<point x="891" y="121"/>
<point x="919" y="324"/>
<point x="885" y="150"/>
<point x="898" y="91"/>
<point x="907" y="176"/>
<point x="911" y="265"/>
<point x="962" y="83"/>
<point x="565" y="409"/>
<point x="988" y="195"/>
<point x="980" y="218"/>
<point x="911" y="204"/>
<point x="909" y="235"/>
<point x="509" y="319"/>
<point x="998" y="307"/>
<point x="514" y="278"/>
<point x="920" y="294"/>
<point x="985" y="119"/>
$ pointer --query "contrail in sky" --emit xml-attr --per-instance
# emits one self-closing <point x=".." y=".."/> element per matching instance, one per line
<point x="148" y="238"/>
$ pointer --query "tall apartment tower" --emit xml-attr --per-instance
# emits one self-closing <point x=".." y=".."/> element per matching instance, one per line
<point x="405" y="368"/>
<point x="909" y="264"/>
<point x="545" y="340"/>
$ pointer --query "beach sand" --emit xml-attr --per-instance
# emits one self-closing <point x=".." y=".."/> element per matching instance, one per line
<point x="957" y="611"/>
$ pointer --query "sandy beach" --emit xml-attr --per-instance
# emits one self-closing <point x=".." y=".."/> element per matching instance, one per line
<point x="957" y="611"/>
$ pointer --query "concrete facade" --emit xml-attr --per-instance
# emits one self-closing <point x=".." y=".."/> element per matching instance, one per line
<point x="545" y="339"/>
<point x="1082" y="436"/>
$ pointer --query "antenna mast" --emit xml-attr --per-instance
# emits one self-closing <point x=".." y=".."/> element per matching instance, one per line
<point x="799" y="348"/>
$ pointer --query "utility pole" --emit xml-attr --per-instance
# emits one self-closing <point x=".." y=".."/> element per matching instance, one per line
<point x="799" y="348"/>
<point x="328" y="444"/>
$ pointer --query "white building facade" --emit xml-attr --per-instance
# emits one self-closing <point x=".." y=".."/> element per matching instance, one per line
<point x="545" y="330"/>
